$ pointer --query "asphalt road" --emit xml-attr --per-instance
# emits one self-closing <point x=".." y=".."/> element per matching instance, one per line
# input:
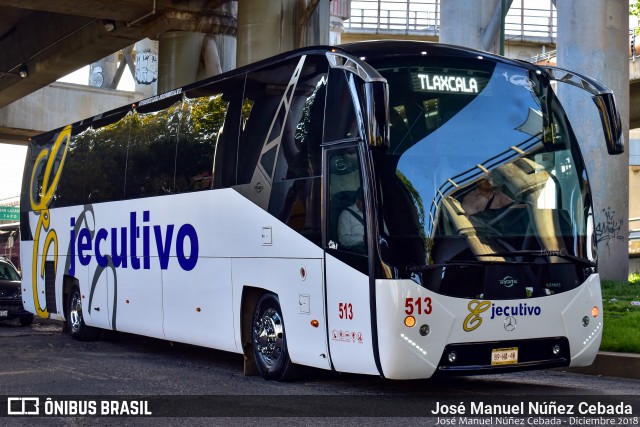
<point x="43" y="361"/>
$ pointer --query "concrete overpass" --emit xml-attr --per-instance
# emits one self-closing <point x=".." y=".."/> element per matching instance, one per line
<point x="43" y="40"/>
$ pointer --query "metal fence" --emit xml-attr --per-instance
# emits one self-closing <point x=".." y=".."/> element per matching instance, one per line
<point x="527" y="20"/>
<point x="407" y="16"/>
<point x="423" y="17"/>
<point x="634" y="241"/>
<point x="634" y="229"/>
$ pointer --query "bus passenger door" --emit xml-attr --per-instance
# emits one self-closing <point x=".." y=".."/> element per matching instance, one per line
<point x="347" y="279"/>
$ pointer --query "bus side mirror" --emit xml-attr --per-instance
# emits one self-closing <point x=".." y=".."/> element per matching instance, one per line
<point x="611" y="124"/>
<point x="604" y="100"/>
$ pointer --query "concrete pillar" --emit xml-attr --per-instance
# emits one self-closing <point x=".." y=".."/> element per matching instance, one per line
<point x="226" y="51"/>
<point x="218" y="55"/>
<point x="186" y="57"/>
<point x="315" y="31"/>
<point x="592" y="39"/>
<point x="146" y="77"/>
<point x="338" y="13"/>
<point x="335" y="31"/>
<point x="265" y="28"/>
<point x="464" y="23"/>
<point x="179" y="59"/>
<point x="102" y="72"/>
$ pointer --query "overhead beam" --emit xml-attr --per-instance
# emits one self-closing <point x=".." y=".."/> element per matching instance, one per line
<point x="118" y="10"/>
<point x="185" y="21"/>
<point x="54" y="38"/>
<point x="71" y="42"/>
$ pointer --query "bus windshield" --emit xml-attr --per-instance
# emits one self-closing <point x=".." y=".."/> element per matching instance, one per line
<point x="482" y="173"/>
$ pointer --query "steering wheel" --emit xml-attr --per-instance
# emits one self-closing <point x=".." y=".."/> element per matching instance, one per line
<point x="506" y="210"/>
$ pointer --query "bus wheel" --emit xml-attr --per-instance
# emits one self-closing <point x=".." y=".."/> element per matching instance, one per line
<point x="75" y="322"/>
<point x="269" y="340"/>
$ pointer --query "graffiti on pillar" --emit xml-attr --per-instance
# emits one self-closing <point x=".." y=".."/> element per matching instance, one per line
<point x="610" y="229"/>
<point x="146" y="67"/>
<point x="96" y="78"/>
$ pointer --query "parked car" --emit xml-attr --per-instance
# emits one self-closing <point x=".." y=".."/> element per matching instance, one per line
<point x="11" y="294"/>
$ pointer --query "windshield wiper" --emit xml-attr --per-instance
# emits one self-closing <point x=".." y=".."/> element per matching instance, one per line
<point x="534" y="253"/>
<point x="427" y="267"/>
<point x="544" y="253"/>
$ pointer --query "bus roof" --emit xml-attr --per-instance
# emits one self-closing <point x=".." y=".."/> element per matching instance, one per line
<point x="373" y="49"/>
<point x="364" y="50"/>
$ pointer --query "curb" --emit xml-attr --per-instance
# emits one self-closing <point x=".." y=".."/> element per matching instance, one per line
<point x="609" y="364"/>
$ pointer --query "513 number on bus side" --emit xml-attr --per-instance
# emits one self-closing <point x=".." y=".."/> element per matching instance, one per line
<point x="345" y="310"/>
<point x="419" y="305"/>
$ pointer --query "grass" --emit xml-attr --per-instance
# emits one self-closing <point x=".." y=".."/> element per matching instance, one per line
<point x="621" y="319"/>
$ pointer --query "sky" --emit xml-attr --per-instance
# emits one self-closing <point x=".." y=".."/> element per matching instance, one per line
<point x="11" y="164"/>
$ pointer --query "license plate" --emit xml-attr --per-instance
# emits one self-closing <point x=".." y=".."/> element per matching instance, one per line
<point x="504" y="356"/>
<point x="4" y="313"/>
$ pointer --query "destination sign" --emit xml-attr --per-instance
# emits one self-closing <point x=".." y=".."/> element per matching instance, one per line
<point x="447" y="83"/>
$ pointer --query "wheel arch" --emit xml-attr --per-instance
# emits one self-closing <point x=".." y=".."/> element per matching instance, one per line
<point x="68" y="282"/>
<point x="250" y="297"/>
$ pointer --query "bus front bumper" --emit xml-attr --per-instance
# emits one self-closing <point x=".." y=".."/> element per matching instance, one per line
<point x="459" y="336"/>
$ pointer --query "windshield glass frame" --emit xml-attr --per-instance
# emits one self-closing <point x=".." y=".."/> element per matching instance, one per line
<point x="513" y="129"/>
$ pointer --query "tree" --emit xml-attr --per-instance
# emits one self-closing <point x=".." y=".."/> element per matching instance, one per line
<point x="634" y="10"/>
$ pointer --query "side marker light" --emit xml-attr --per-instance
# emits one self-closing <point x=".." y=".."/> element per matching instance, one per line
<point x="410" y="321"/>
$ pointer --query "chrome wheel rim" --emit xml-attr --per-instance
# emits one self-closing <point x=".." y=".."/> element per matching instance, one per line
<point x="268" y="336"/>
<point x="75" y="314"/>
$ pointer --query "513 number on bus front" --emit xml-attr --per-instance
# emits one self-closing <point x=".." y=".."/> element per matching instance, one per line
<point x="346" y="310"/>
<point x="419" y="305"/>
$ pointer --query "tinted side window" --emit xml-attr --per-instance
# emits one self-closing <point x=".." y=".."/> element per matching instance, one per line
<point x="296" y="202"/>
<point x="340" y="120"/>
<point x="346" y="217"/>
<point x="209" y="125"/>
<point x="153" y="135"/>
<point x="295" y="196"/>
<point x="94" y="165"/>
<point x="265" y="108"/>
<point x="299" y="155"/>
<point x="72" y="187"/>
<point x="37" y="185"/>
<point x="106" y="161"/>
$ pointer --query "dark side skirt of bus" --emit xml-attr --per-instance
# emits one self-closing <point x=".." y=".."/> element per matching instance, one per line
<point x="475" y="358"/>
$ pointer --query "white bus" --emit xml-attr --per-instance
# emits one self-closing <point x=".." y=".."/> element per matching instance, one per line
<point x="316" y="209"/>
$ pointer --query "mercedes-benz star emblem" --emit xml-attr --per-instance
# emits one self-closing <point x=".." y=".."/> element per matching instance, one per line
<point x="510" y="323"/>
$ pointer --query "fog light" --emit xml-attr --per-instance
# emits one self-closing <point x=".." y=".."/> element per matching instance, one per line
<point x="424" y="330"/>
<point x="585" y="321"/>
<point x="452" y="356"/>
<point x="556" y="350"/>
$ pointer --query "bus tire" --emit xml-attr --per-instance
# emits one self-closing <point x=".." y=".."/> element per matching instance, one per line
<point x="75" y="321"/>
<point x="270" y="341"/>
